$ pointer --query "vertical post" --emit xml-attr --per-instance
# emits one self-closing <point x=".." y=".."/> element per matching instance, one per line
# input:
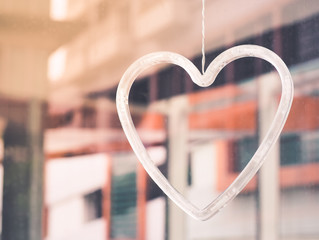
<point x="24" y="83"/>
<point x="35" y="127"/>
<point x="107" y="198"/>
<point x="177" y="163"/>
<point x="269" y="185"/>
<point x="15" y="214"/>
<point x="23" y="171"/>
<point x="103" y="116"/>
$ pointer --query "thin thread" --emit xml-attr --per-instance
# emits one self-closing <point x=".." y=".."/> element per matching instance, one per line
<point x="203" y="36"/>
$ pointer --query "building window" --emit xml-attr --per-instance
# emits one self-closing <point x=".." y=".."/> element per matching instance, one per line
<point x="123" y="202"/>
<point x="290" y="149"/>
<point x="294" y="149"/>
<point x="309" y="147"/>
<point x="93" y="205"/>
<point x="243" y="150"/>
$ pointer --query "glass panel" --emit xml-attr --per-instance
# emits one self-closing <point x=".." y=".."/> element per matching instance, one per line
<point x="123" y="201"/>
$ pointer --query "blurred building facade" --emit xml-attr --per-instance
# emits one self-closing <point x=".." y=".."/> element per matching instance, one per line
<point x="60" y="63"/>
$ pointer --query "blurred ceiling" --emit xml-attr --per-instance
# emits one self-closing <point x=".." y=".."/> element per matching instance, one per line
<point x="93" y="42"/>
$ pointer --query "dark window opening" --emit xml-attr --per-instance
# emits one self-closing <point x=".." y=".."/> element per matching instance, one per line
<point x="93" y="205"/>
<point x="243" y="149"/>
<point x="290" y="152"/>
<point x="123" y="202"/>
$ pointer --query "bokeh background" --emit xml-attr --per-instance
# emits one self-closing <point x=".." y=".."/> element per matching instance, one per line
<point x="67" y="170"/>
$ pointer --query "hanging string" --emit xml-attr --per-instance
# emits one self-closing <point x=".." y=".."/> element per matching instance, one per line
<point x="203" y="37"/>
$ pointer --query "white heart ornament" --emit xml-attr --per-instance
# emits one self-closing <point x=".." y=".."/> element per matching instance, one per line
<point x="204" y="80"/>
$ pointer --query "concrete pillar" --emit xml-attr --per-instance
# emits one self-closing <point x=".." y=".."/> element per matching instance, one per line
<point x="23" y="170"/>
<point x="24" y="87"/>
<point x="36" y="113"/>
<point x="269" y="185"/>
<point x="177" y="163"/>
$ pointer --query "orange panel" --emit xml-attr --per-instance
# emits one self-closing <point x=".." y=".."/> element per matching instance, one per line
<point x="107" y="198"/>
<point x="304" y="114"/>
<point x="239" y="116"/>
<point x="228" y="91"/>
<point x="299" y="175"/>
<point x="153" y="121"/>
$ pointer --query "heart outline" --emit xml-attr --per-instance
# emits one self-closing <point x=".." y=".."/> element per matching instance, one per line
<point x="205" y="80"/>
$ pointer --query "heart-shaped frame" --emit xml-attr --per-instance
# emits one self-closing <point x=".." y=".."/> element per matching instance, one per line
<point x="204" y="80"/>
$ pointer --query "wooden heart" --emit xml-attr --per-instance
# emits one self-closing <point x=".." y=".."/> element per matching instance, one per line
<point x="204" y="80"/>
